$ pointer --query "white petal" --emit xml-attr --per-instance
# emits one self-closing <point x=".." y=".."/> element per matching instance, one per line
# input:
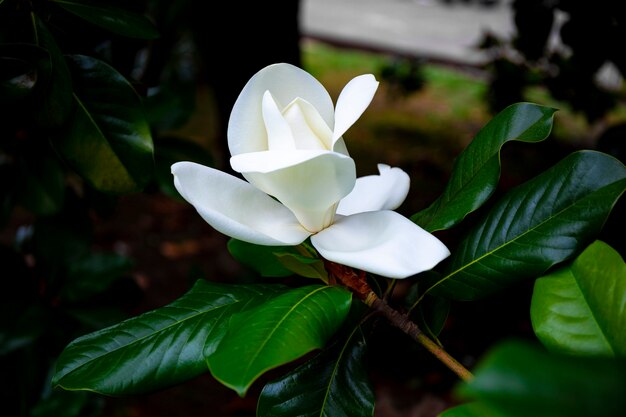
<point x="246" y="130"/>
<point x="278" y="131"/>
<point x="310" y="183"/>
<point x="309" y="130"/>
<point x="236" y="208"/>
<point x="377" y="192"/>
<point x="381" y="242"/>
<point x="352" y="102"/>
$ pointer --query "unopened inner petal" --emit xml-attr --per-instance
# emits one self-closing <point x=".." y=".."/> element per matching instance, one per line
<point x="279" y="135"/>
<point x="308" y="128"/>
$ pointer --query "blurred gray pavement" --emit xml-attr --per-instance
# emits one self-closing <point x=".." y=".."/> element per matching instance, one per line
<point x="429" y="29"/>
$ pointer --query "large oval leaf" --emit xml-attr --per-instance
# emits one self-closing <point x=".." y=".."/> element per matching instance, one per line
<point x="120" y="21"/>
<point x="519" y="380"/>
<point x="332" y="384"/>
<point x="581" y="309"/>
<point x="108" y="141"/>
<point x="277" y="332"/>
<point x="159" y="348"/>
<point x="535" y="226"/>
<point x="476" y="171"/>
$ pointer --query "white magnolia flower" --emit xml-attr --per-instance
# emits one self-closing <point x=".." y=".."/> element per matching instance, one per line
<point x="285" y="138"/>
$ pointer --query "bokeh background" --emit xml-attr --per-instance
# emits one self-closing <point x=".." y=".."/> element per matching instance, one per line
<point x="446" y="67"/>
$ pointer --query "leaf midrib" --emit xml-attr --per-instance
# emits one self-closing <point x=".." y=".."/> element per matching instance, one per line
<point x="336" y="367"/>
<point x="593" y="314"/>
<point x="267" y="339"/>
<point x="125" y="346"/>
<point x="466" y="266"/>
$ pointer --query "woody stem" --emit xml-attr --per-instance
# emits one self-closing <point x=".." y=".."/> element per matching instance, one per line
<point x="404" y="323"/>
<point x="357" y="283"/>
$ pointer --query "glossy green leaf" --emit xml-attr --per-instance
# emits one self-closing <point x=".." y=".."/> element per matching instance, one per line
<point x="54" y="87"/>
<point x="159" y="348"/>
<point x="108" y="142"/>
<point x="260" y="258"/>
<point x="476" y="171"/>
<point x="115" y="19"/>
<point x="277" y="332"/>
<point x="520" y="380"/>
<point x="536" y="225"/>
<point x="332" y="384"/>
<point x="41" y="184"/>
<point x="581" y="309"/>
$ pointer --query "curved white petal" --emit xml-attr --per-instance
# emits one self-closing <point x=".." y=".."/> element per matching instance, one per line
<point x="377" y="192"/>
<point x="309" y="183"/>
<point x="236" y="208"/>
<point x="309" y="130"/>
<point x="278" y="131"/>
<point x="381" y="242"/>
<point x="246" y="131"/>
<point x="352" y="102"/>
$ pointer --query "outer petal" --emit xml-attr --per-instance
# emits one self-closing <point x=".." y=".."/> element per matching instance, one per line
<point x="381" y="242"/>
<point x="352" y="102"/>
<point x="246" y="131"/>
<point x="377" y="192"/>
<point x="236" y="208"/>
<point x="310" y="183"/>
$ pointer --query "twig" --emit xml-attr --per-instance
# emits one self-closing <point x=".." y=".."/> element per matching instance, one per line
<point x="357" y="283"/>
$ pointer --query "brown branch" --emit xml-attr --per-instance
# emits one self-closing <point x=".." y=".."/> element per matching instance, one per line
<point x="357" y="283"/>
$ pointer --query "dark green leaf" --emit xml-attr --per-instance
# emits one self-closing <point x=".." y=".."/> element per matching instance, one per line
<point x="432" y="313"/>
<point x="170" y="105"/>
<point x="521" y="380"/>
<point x="260" y="258"/>
<point x="41" y="184"/>
<point x="108" y="142"/>
<point x="536" y="225"/>
<point x="473" y="409"/>
<point x="303" y="265"/>
<point x="476" y="171"/>
<point x="169" y="150"/>
<point x="332" y="384"/>
<point x="276" y="332"/>
<point x="54" y="90"/>
<point x="581" y="308"/>
<point x="120" y="21"/>
<point x="159" y="348"/>
<point x="93" y="274"/>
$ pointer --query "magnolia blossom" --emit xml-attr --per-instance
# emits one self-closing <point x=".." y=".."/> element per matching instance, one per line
<point x="285" y="138"/>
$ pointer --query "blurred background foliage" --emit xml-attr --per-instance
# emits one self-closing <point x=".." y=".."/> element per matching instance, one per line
<point x="98" y="99"/>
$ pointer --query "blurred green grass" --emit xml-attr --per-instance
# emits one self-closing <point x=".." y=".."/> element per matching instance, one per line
<point x="422" y="132"/>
